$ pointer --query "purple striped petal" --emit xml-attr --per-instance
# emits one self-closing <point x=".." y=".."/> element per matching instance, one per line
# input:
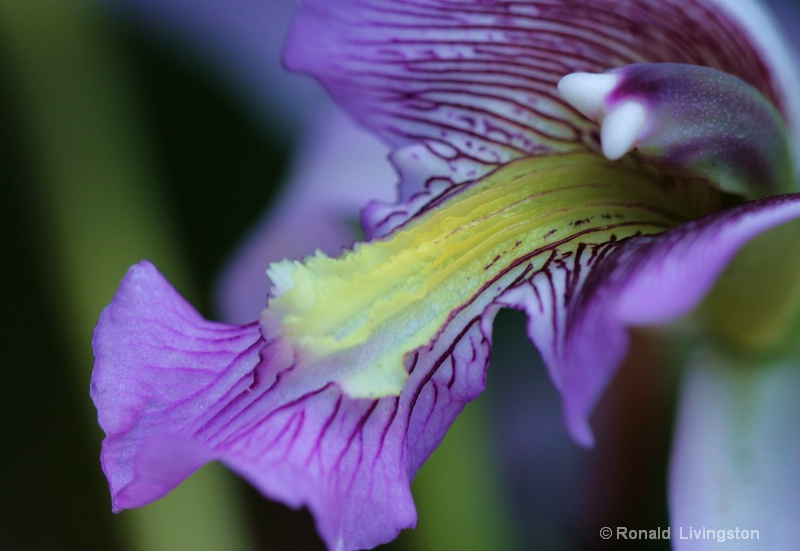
<point x="460" y="87"/>
<point x="174" y="391"/>
<point x="306" y="404"/>
<point x="577" y="318"/>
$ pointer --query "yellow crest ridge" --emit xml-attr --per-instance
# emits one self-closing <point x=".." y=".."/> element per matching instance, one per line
<point x="357" y="316"/>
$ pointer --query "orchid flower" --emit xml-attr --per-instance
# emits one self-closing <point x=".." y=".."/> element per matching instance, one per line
<point x="510" y="196"/>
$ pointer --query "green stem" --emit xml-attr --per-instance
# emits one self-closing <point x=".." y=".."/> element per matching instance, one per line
<point x="459" y="501"/>
<point x="100" y="211"/>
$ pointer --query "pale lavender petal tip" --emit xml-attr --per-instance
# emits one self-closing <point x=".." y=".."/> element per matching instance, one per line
<point x="159" y="369"/>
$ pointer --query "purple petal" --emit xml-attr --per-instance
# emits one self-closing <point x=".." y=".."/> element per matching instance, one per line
<point x="174" y="391"/>
<point x="577" y="318"/>
<point x="160" y="370"/>
<point x="464" y="87"/>
<point x="736" y="459"/>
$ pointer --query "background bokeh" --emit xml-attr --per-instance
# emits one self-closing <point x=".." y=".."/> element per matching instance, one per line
<point x="124" y="136"/>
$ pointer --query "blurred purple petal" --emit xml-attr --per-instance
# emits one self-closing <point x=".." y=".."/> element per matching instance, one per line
<point x="736" y="457"/>
<point x="338" y="169"/>
<point x="242" y="40"/>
